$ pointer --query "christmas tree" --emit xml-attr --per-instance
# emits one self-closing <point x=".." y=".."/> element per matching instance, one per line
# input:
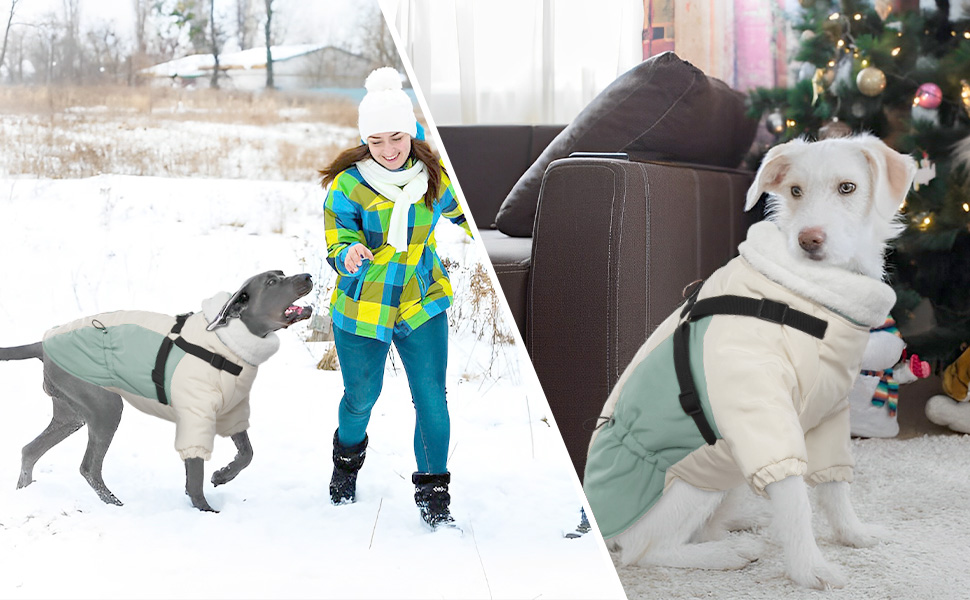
<point x="903" y="75"/>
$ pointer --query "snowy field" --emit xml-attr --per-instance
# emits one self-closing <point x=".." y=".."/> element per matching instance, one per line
<point x="74" y="247"/>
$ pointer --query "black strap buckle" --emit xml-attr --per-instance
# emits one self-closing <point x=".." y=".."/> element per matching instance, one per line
<point x="218" y="361"/>
<point x="774" y="312"/>
<point x="688" y="402"/>
<point x="158" y="377"/>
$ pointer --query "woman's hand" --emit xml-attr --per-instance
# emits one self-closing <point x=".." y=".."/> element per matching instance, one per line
<point x="355" y="257"/>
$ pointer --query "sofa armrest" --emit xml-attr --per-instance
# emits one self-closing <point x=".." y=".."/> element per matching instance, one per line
<point x="615" y="243"/>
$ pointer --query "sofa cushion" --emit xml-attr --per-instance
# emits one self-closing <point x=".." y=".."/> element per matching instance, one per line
<point x="511" y="258"/>
<point x="662" y="109"/>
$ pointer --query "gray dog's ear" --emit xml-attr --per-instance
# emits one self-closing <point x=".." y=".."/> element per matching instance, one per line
<point x="232" y="309"/>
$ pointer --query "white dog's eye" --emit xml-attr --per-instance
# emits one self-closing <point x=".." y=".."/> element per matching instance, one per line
<point x="846" y="187"/>
<point x="796" y="191"/>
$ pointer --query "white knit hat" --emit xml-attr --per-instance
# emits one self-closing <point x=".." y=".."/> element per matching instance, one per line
<point x="385" y="107"/>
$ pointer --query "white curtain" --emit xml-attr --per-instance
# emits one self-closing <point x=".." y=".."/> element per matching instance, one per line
<point x="515" y="61"/>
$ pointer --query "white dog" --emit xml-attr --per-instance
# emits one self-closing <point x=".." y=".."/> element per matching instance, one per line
<point x="774" y="396"/>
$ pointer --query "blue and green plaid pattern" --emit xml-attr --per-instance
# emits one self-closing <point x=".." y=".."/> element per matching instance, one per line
<point x="397" y="291"/>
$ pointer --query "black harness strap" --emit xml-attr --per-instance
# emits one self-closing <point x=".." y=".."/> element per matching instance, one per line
<point x="761" y="308"/>
<point x="216" y="360"/>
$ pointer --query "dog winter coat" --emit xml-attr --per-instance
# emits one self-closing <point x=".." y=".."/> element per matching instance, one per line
<point x="117" y="351"/>
<point x="775" y="396"/>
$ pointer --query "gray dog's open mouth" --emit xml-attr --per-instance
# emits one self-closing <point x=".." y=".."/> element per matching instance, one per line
<point x="295" y="314"/>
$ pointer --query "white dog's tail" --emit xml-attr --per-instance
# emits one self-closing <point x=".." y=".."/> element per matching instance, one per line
<point x="23" y="352"/>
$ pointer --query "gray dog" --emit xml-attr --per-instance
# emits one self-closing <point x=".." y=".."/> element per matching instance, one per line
<point x="195" y="370"/>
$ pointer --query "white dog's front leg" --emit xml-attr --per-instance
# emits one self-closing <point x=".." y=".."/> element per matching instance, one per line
<point x="661" y="537"/>
<point x="792" y="528"/>
<point x="834" y="498"/>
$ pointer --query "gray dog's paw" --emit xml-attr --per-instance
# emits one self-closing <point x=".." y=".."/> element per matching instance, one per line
<point x="223" y="475"/>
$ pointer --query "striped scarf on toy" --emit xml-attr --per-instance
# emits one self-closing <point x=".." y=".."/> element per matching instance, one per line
<point x="887" y="391"/>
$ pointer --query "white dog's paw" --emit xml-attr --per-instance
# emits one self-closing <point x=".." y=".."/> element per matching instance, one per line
<point x="716" y="556"/>
<point x="864" y="536"/>
<point x="817" y="573"/>
<point x="748" y="547"/>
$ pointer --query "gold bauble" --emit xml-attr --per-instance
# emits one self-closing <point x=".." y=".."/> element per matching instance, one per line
<point x="871" y="81"/>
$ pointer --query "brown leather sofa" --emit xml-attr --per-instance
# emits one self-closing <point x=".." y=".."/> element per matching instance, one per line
<point x="615" y="237"/>
<point x="590" y="285"/>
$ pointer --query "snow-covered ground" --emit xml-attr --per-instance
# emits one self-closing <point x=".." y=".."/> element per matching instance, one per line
<point x="73" y="247"/>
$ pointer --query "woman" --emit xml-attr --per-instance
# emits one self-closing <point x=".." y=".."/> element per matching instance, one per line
<point x="384" y="200"/>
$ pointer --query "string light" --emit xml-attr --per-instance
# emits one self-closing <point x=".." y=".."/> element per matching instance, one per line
<point x="790" y="123"/>
<point x="857" y="17"/>
<point x="841" y="43"/>
<point x="896" y="51"/>
<point x="926" y="221"/>
<point x="966" y="207"/>
<point x="834" y="17"/>
<point x="865" y="63"/>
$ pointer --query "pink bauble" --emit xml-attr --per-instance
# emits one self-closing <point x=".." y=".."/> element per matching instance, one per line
<point x="928" y="95"/>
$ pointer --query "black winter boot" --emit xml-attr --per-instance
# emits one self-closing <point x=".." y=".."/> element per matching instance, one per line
<point x="431" y="496"/>
<point x="347" y="460"/>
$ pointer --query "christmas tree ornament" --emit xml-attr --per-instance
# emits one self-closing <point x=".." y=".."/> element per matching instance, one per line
<point x="806" y="71"/>
<point x="834" y="129"/>
<point x="928" y="95"/>
<point x="775" y="122"/>
<point x="965" y="95"/>
<point x="871" y="81"/>
<point x="883" y="8"/>
<point x="806" y="35"/>
<point x="925" y="172"/>
<point x="828" y="76"/>
<point x="928" y="115"/>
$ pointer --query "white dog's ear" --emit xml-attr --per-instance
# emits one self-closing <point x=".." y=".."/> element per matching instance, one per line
<point x="892" y="175"/>
<point x="231" y="309"/>
<point x="772" y="172"/>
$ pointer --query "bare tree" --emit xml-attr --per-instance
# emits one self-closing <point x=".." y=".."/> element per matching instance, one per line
<point x="6" y="33"/>
<point x="142" y="11"/>
<point x="375" y="40"/>
<point x="72" y="46"/>
<point x="269" y="44"/>
<point x="245" y="24"/>
<point x="215" y="44"/>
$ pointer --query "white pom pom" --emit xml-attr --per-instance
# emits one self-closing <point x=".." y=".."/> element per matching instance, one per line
<point x="384" y="78"/>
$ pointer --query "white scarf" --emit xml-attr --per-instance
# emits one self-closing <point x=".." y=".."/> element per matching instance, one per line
<point x="403" y="188"/>
<point x="860" y="298"/>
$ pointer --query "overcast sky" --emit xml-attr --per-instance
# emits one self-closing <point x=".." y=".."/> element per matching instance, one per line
<point x="316" y="21"/>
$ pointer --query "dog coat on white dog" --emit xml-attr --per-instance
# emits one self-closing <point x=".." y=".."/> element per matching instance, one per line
<point x="776" y="397"/>
<point x="117" y="351"/>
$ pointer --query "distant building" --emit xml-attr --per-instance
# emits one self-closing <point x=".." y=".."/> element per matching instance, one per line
<point x="297" y="67"/>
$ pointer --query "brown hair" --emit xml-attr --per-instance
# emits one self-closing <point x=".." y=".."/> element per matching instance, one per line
<point x="420" y="149"/>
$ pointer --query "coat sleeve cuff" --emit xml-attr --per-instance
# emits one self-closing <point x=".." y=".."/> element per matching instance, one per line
<point x="776" y="472"/>
<point x="195" y="452"/>
<point x="836" y="473"/>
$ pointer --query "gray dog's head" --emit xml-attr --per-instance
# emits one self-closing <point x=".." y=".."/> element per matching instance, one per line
<point x="265" y="303"/>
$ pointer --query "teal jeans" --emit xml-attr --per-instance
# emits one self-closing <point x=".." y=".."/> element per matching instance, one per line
<point x="424" y="354"/>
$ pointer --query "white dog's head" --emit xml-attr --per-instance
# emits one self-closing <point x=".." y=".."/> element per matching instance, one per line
<point x="836" y="200"/>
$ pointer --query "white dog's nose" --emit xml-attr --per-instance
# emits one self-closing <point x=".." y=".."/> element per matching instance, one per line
<point x="811" y="239"/>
